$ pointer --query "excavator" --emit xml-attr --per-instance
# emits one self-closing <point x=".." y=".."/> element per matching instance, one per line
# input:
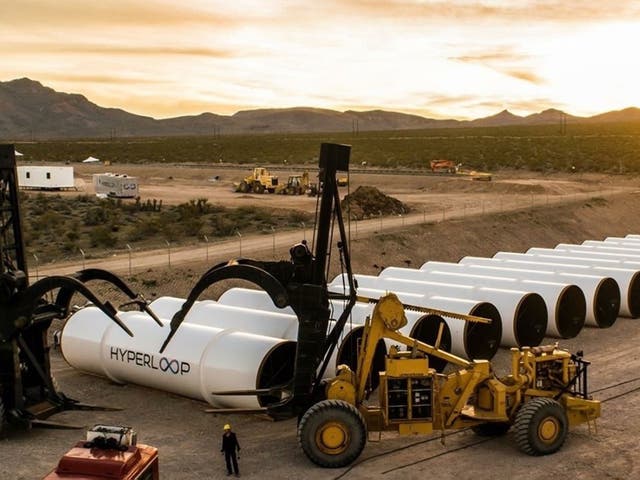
<point x="545" y="393"/>
<point x="28" y="392"/>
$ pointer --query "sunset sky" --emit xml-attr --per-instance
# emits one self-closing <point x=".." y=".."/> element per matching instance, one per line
<point x="443" y="59"/>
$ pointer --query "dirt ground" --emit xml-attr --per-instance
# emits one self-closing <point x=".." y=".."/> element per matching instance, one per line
<point x="188" y="438"/>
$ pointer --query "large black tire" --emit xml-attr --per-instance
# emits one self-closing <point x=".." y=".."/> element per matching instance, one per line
<point x="258" y="188"/>
<point x="244" y="187"/>
<point x="541" y="426"/>
<point x="332" y="433"/>
<point x="491" y="429"/>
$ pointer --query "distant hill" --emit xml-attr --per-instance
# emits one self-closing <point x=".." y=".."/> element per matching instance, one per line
<point x="30" y="110"/>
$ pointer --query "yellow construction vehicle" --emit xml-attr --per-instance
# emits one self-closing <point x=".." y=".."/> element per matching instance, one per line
<point x="259" y="181"/>
<point x="298" y="185"/>
<point x="544" y="394"/>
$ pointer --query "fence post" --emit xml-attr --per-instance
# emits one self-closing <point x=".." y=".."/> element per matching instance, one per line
<point x="168" y="252"/>
<point x="273" y="232"/>
<point x="240" y="237"/>
<point x="37" y="262"/>
<point x="83" y="255"/>
<point x="206" y="240"/>
<point x="129" y="248"/>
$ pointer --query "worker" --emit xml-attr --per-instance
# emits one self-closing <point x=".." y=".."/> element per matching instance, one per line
<point x="229" y="446"/>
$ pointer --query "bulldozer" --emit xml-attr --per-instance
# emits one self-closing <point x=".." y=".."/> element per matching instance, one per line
<point x="545" y="393"/>
<point x="259" y="181"/>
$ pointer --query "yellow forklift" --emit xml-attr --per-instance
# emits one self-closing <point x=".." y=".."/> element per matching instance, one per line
<point x="545" y="394"/>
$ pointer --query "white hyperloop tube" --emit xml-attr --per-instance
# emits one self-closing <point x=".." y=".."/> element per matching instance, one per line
<point x="244" y="319"/>
<point x="198" y="361"/>
<point x="423" y="327"/>
<point x="615" y="242"/>
<point x="629" y="239"/>
<point x="420" y="326"/>
<point x="347" y="348"/>
<point x="566" y="304"/>
<point x="251" y="298"/>
<point x="601" y="292"/>
<point x="468" y="339"/>
<point x="606" y="252"/>
<point x="523" y="313"/>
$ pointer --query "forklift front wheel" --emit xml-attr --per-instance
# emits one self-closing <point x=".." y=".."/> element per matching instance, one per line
<point x="541" y="426"/>
<point x="332" y="433"/>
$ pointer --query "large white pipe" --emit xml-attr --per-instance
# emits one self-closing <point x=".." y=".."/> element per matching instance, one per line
<point x="601" y="292"/>
<point x="213" y="314"/>
<point x="468" y="339"/>
<point x="253" y="311"/>
<point x="423" y="327"/>
<point x="523" y="313"/>
<point x="628" y="239"/>
<point x="612" y="245"/>
<point x="612" y="252"/>
<point x="591" y="252"/>
<point x="566" y="304"/>
<point x="562" y="268"/>
<point x="632" y="236"/>
<point x="198" y="361"/>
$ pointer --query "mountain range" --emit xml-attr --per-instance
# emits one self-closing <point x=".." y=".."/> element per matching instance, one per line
<point x="30" y="110"/>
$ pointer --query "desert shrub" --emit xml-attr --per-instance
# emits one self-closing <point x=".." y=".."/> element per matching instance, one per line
<point x="102" y="236"/>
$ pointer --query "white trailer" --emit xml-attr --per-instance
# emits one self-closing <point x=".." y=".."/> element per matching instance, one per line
<point x="45" y="177"/>
<point x="115" y="185"/>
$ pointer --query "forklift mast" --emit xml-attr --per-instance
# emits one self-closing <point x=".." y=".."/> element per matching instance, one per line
<point x="300" y="283"/>
<point x="13" y="267"/>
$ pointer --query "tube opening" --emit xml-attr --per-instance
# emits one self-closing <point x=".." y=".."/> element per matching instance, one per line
<point x="482" y="340"/>
<point x="348" y="355"/>
<point x="606" y="303"/>
<point x="426" y="330"/>
<point x="571" y="312"/>
<point x="276" y="369"/>
<point x="530" y="322"/>
<point x="633" y="296"/>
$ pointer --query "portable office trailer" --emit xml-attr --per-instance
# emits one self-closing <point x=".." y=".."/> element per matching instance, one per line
<point x="45" y="177"/>
<point x="115" y="185"/>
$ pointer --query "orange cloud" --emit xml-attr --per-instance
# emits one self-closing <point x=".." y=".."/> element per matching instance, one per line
<point x="115" y="49"/>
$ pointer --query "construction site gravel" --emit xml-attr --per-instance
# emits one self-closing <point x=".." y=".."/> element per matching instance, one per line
<point x="450" y="217"/>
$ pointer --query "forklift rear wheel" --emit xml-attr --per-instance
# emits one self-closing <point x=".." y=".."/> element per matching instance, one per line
<point x="541" y="426"/>
<point x="332" y="433"/>
<point x="491" y="429"/>
<point x="258" y="188"/>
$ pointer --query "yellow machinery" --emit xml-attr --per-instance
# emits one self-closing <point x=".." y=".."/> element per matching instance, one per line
<point x="259" y="181"/>
<point x="544" y="394"/>
<point x="298" y="185"/>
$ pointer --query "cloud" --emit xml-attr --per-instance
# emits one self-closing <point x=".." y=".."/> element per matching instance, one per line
<point x="569" y="11"/>
<point x="116" y="49"/>
<point x="527" y="76"/>
<point x="83" y="79"/>
<point x="505" y="61"/>
<point x="80" y="14"/>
